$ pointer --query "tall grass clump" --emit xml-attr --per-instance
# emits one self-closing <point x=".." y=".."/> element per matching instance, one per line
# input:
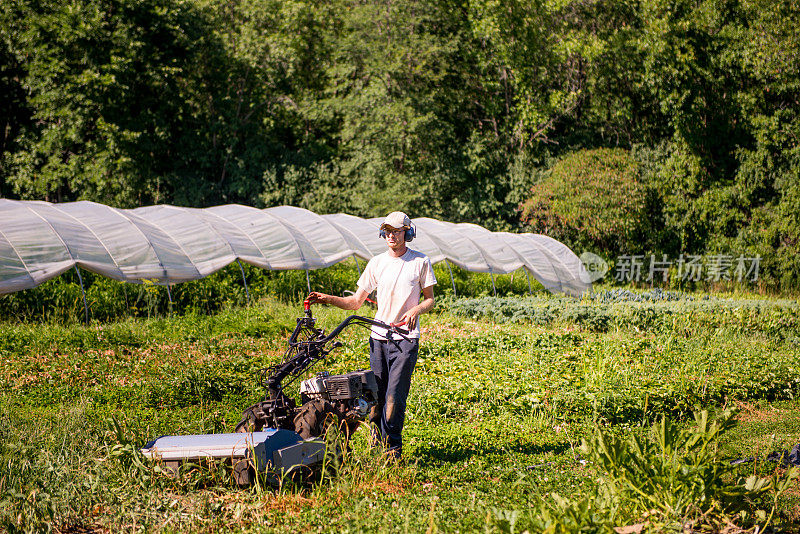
<point x="49" y="476"/>
<point x="670" y="479"/>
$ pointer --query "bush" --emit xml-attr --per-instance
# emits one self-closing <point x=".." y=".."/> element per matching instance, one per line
<point x="591" y="198"/>
<point x="60" y="300"/>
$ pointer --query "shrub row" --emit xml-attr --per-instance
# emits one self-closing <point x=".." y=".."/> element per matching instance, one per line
<point x="61" y="300"/>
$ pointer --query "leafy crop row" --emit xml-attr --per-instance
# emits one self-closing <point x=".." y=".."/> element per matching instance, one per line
<point x="617" y="380"/>
<point x="643" y="313"/>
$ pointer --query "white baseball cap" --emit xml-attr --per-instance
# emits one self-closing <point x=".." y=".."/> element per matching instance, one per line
<point x="397" y="219"/>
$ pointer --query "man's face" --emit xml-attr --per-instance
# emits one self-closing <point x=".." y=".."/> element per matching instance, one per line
<point x="395" y="237"/>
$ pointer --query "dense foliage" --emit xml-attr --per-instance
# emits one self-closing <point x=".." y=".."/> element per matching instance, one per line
<point x="446" y="109"/>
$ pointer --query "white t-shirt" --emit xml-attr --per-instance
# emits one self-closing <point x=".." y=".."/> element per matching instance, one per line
<point x="400" y="282"/>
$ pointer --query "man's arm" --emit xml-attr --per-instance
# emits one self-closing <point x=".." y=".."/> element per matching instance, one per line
<point x="353" y="302"/>
<point x="426" y="305"/>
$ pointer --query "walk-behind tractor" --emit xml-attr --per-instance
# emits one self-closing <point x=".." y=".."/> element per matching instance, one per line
<point x="276" y="437"/>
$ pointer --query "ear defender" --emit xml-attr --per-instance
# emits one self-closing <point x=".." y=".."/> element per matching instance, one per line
<point x="411" y="232"/>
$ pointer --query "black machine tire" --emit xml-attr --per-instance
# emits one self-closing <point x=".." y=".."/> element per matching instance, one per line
<point x="243" y="472"/>
<point x="315" y="417"/>
<point x="249" y="422"/>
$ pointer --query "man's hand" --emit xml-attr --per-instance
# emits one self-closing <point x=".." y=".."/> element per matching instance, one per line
<point x="409" y="319"/>
<point x="411" y="316"/>
<point x="316" y="297"/>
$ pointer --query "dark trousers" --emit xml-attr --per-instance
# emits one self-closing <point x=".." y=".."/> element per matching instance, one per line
<point x="393" y="363"/>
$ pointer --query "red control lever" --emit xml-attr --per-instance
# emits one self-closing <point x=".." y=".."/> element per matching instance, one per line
<point x="307" y="305"/>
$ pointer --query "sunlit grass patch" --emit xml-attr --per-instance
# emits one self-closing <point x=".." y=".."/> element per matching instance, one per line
<point x="496" y="415"/>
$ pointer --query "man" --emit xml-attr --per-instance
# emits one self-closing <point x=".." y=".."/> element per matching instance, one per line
<point x="401" y="276"/>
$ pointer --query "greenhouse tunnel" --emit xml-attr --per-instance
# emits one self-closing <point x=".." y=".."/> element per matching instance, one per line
<point x="168" y="244"/>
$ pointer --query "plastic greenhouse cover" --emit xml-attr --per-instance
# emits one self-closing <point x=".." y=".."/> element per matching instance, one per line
<point x="169" y="244"/>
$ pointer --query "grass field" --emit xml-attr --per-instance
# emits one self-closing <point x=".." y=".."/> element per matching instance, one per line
<point x="504" y="392"/>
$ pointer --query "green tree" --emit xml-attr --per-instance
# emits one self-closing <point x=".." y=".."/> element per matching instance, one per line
<point x="273" y="51"/>
<point x="135" y="102"/>
<point x="766" y="190"/>
<point x="418" y="118"/>
<point x="593" y="199"/>
<point x="14" y="112"/>
<point x="105" y="84"/>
